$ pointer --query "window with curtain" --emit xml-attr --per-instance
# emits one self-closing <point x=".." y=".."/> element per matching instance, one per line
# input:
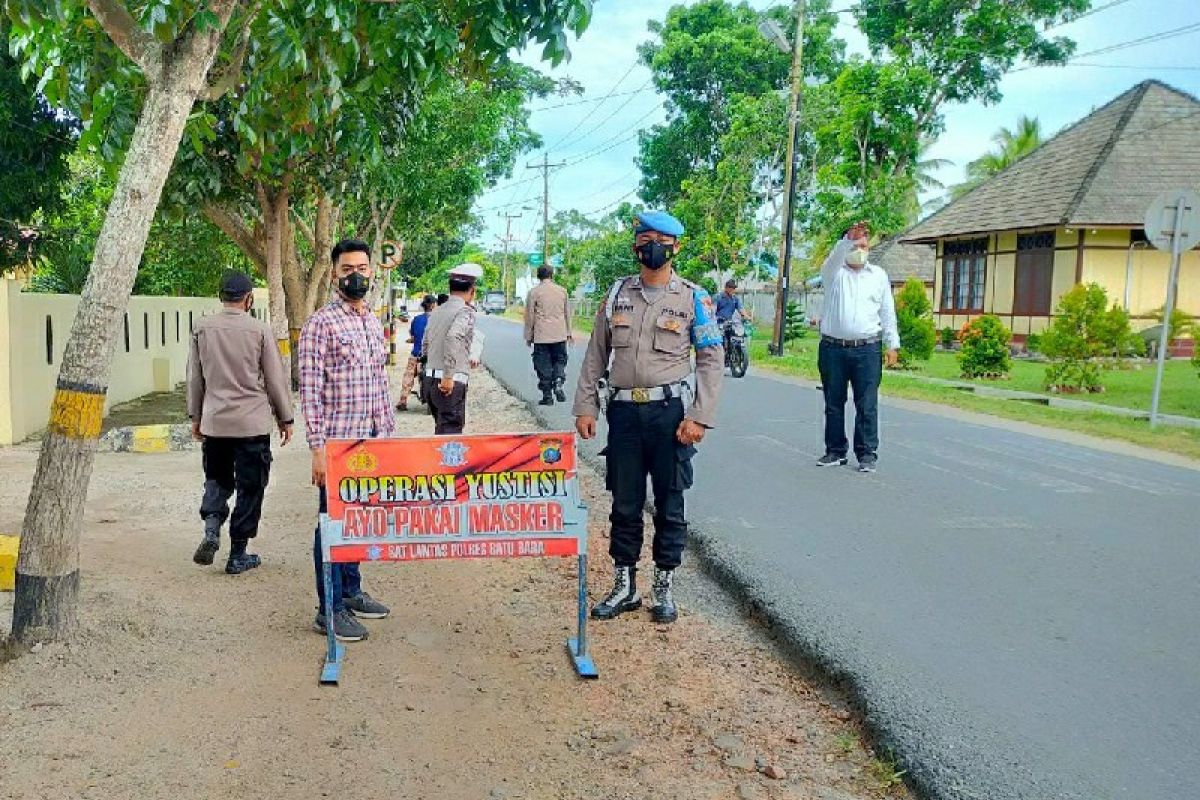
<point x="964" y="275"/>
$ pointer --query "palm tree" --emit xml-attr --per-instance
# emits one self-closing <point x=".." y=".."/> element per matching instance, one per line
<point x="924" y="181"/>
<point x="1011" y="147"/>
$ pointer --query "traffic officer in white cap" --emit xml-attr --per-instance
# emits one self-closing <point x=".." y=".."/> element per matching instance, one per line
<point x="659" y="407"/>
<point x="452" y="347"/>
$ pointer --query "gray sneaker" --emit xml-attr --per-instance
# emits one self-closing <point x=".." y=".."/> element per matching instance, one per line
<point x="345" y="627"/>
<point x="867" y="464"/>
<point x="367" y="607"/>
<point x="831" y="460"/>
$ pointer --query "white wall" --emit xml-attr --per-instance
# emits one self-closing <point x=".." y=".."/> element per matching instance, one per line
<point x="33" y="335"/>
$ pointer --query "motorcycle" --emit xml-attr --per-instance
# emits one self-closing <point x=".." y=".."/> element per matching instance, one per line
<point x="737" y="357"/>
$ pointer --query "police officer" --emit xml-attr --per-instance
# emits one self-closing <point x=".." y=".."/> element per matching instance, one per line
<point x="237" y="390"/>
<point x="648" y="325"/>
<point x="452" y="347"/>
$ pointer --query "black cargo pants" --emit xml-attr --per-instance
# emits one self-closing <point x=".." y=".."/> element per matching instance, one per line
<point x="449" y="412"/>
<point x="242" y="465"/>
<point x="550" y="364"/>
<point x="641" y="442"/>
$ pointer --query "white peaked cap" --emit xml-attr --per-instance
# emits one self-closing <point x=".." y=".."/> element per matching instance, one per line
<point x="467" y="270"/>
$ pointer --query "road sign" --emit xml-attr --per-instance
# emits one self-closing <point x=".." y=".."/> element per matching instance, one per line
<point x="556" y="261"/>
<point x="1172" y="223"/>
<point x="535" y="259"/>
<point x="448" y="498"/>
<point x="1164" y="215"/>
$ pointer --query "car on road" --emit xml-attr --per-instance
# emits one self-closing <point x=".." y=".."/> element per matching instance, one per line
<point x="493" y="303"/>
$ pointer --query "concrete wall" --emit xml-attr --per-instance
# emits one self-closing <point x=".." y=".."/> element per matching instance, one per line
<point x="33" y="335"/>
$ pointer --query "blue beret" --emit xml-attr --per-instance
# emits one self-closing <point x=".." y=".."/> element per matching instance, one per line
<point x="659" y="221"/>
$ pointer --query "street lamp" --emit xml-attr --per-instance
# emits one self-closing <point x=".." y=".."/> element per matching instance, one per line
<point x="773" y="33"/>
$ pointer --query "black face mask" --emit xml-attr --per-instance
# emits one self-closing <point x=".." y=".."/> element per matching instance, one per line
<point x="654" y="255"/>
<point x="354" y="286"/>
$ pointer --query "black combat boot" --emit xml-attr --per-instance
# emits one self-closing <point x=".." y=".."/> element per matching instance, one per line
<point x="239" y="560"/>
<point x="547" y="398"/>
<point x="212" y="541"/>
<point x="623" y="597"/>
<point x="559" y="394"/>
<point x="662" y="602"/>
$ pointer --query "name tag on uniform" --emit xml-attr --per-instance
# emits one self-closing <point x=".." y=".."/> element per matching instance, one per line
<point x="620" y="321"/>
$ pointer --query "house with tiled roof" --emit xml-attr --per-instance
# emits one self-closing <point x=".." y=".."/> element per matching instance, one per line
<point x="1071" y="212"/>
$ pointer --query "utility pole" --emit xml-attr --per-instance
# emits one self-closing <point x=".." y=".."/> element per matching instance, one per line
<point x="545" y="167"/>
<point x="789" y="179"/>
<point x="508" y="218"/>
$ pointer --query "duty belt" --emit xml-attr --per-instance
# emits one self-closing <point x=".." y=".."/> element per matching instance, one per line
<point x="459" y="377"/>
<point x="652" y="395"/>
<point x="848" y="342"/>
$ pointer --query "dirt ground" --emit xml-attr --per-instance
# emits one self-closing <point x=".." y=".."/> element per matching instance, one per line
<point x="184" y="682"/>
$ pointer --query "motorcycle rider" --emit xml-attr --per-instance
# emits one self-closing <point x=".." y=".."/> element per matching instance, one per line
<point x="728" y="303"/>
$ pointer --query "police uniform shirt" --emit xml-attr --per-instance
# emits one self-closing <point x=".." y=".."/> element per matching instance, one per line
<point x="449" y="338"/>
<point x="650" y="337"/>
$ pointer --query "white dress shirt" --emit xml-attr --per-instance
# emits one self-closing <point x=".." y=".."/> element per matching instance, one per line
<point x="858" y="302"/>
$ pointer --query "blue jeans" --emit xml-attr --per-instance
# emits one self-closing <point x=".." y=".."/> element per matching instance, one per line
<point x="861" y="368"/>
<point x="347" y="580"/>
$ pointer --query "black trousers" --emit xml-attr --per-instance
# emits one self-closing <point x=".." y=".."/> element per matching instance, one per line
<point x="449" y="412"/>
<point x="244" y="465"/>
<point x="641" y="442"/>
<point x="550" y="364"/>
<point x="862" y="369"/>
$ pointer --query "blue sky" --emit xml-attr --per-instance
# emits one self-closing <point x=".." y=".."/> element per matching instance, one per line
<point x="598" y="139"/>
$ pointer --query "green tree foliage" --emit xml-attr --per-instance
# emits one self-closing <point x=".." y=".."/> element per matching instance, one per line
<point x="184" y="255"/>
<point x="1011" y="147"/>
<point x="984" y="351"/>
<point x="704" y="57"/>
<point x="1084" y="330"/>
<point x="914" y="319"/>
<point x="1182" y="323"/>
<point x="924" y="55"/>
<point x="437" y="279"/>
<point x="34" y="144"/>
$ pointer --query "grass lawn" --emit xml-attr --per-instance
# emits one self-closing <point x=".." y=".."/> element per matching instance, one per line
<point x="801" y="360"/>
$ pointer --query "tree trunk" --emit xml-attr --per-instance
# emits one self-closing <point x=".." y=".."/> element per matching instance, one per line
<point x="324" y="225"/>
<point x="273" y="203"/>
<point x="46" y="603"/>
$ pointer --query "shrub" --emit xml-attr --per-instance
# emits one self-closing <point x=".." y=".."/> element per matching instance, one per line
<point x="795" y="326"/>
<point x="1196" y="358"/>
<point x="1082" y="332"/>
<point x="914" y="319"/>
<point x="949" y="337"/>
<point x="1033" y="343"/>
<point x="985" y="348"/>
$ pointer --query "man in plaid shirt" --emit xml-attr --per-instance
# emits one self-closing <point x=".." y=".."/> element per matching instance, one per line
<point x="344" y="395"/>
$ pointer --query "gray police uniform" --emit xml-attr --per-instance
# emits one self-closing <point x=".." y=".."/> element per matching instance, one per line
<point x="649" y="333"/>
<point x="449" y="337"/>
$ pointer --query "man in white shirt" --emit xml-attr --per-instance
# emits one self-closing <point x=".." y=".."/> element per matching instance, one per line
<point x="859" y="317"/>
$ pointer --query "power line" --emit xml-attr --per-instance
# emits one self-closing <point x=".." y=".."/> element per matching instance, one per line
<point x="604" y="121"/>
<point x="595" y="108"/>
<point x="1149" y="67"/>
<point x="1088" y="13"/>
<point x="1172" y="33"/>
<point x="589" y="100"/>
<point x="617" y="140"/>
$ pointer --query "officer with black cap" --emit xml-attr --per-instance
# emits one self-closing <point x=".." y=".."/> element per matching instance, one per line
<point x="452" y="348"/>
<point x="237" y="391"/>
<point x="658" y="407"/>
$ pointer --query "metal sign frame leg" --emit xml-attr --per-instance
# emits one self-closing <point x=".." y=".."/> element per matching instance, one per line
<point x="577" y="647"/>
<point x="335" y="651"/>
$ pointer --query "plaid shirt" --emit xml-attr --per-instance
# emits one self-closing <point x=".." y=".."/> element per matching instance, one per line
<point x="343" y="380"/>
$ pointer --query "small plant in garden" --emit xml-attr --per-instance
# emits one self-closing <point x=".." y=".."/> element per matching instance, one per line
<point x="794" y="324"/>
<point x="949" y="337"/>
<point x="1033" y="343"/>
<point x="914" y="319"/>
<point x="1083" y="332"/>
<point x="984" y="351"/>
<point x="1196" y="359"/>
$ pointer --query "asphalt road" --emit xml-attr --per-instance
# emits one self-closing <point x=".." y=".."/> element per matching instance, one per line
<point x="1018" y="616"/>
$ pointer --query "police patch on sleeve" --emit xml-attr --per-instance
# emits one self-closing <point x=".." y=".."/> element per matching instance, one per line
<point x="705" y="330"/>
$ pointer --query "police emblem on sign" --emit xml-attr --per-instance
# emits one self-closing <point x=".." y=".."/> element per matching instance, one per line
<point x="374" y="552"/>
<point x="454" y="454"/>
<point x="551" y="450"/>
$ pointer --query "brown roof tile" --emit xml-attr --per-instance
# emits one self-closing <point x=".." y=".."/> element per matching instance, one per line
<point x="1103" y="170"/>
